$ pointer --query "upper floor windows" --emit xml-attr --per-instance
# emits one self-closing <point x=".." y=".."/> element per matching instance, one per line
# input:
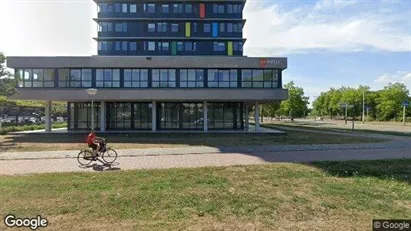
<point x="163" y="46"/>
<point x="36" y="77"/>
<point x="163" y="78"/>
<point x="238" y="46"/>
<point x="133" y="8"/>
<point x="149" y="8"/>
<point x="165" y="8"/>
<point x="218" y="8"/>
<point x="162" y="27"/>
<point x="219" y="46"/>
<point x="189" y="8"/>
<point x="124" y="8"/>
<point x="258" y="78"/>
<point x="136" y="78"/>
<point x="150" y="46"/>
<point x="207" y="28"/>
<point x="191" y="78"/>
<point x="151" y="27"/>
<point x="75" y="77"/>
<point x="174" y="27"/>
<point x="107" y="78"/>
<point x="222" y="78"/>
<point x="178" y="8"/>
<point x="234" y="8"/>
<point x="133" y="46"/>
<point x="105" y="27"/>
<point x="121" y="27"/>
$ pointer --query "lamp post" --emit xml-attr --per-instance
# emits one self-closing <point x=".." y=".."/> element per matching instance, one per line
<point x="92" y="92"/>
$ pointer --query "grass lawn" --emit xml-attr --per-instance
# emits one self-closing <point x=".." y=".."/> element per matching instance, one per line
<point x="317" y="196"/>
<point x="49" y="142"/>
<point x="324" y="128"/>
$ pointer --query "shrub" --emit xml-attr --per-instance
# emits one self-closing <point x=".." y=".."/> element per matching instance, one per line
<point x="7" y="129"/>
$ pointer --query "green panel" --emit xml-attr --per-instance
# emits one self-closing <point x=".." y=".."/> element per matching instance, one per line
<point x="188" y="29"/>
<point x="174" y="48"/>
<point x="230" y="48"/>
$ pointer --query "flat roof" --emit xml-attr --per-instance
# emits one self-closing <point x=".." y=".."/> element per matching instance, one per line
<point x="146" y="62"/>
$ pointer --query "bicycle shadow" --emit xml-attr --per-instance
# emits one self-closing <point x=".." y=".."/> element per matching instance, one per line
<point x="101" y="167"/>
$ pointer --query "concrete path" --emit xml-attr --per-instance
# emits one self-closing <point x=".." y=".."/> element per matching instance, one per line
<point x="64" y="161"/>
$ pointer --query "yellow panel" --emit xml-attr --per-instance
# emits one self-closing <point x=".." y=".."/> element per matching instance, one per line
<point x="188" y="29"/>
<point x="230" y="48"/>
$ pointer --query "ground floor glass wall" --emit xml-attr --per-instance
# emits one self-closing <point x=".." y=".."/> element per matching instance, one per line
<point x="170" y="115"/>
<point x="80" y="115"/>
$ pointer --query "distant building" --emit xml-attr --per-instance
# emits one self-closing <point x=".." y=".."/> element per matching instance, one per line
<point x="160" y="65"/>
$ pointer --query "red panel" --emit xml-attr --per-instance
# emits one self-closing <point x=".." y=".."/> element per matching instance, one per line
<point x="202" y="10"/>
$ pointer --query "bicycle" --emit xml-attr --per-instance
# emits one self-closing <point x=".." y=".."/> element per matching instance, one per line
<point x="85" y="157"/>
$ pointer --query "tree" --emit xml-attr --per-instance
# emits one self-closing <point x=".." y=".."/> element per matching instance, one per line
<point x="297" y="104"/>
<point x="390" y="100"/>
<point x="7" y="82"/>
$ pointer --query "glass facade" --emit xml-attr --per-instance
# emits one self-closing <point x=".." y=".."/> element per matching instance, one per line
<point x="150" y="78"/>
<point x="170" y="115"/>
<point x="80" y="115"/>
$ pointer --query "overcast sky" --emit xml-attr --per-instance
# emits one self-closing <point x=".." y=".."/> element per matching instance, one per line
<point x="328" y="43"/>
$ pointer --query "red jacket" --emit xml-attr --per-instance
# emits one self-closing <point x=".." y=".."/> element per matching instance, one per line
<point x="90" y="138"/>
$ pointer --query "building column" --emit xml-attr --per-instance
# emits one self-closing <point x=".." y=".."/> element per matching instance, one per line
<point x="154" y="116"/>
<point x="102" y="116"/>
<point x="205" y="116"/>
<point x="247" y="117"/>
<point x="257" y="117"/>
<point x="48" y="116"/>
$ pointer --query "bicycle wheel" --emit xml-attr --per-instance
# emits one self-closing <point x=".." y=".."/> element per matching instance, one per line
<point x="85" y="157"/>
<point x="109" y="156"/>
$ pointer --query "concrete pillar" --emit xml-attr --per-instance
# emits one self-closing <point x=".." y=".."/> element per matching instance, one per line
<point x="48" y="116"/>
<point x="205" y="116"/>
<point x="102" y="116"/>
<point x="246" y="118"/>
<point x="154" y="116"/>
<point x="257" y="117"/>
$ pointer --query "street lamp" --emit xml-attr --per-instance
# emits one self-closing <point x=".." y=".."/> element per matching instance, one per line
<point x="92" y="92"/>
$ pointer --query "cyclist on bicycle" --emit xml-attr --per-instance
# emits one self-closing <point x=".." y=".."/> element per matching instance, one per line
<point x="94" y="142"/>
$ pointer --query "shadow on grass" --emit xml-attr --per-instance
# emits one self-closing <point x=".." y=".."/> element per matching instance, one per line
<point x="395" y="169"/>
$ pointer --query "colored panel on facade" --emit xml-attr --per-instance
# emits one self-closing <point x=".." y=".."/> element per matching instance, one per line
<point x="174" y="48"/>
<point x="202" y="10"/>
<point x="215" y="29"/>
<point x="230" y="48"/>
<point x="188" y="29"/>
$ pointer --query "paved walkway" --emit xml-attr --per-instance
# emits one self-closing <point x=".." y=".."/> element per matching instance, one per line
<point x="64" y="161"/>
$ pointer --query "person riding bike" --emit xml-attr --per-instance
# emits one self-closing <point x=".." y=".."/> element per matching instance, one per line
<point x="94" y="142"/>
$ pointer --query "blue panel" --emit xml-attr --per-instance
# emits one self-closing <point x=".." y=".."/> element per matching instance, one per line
<point x="215" y="29"/>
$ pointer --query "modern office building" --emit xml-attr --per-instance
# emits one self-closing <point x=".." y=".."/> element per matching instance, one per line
<point x="160" y="65"/>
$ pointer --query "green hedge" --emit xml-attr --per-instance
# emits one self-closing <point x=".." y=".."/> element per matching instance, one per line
<point x="7" y="129"/>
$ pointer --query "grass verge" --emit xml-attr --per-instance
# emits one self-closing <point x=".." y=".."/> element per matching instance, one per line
<point x="49" y="142"/>
<point x="316" y="196"/>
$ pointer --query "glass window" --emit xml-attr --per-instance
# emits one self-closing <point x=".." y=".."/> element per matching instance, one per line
<point x="119" y="115"/>
<point x="230" y="8"/>
<point x="117" y="7"/>
<point x="136" y="78"/>
<point x="121" y="27"/>
<point x="225" y="115"/>
<point x="178" y="8"/>
<point x="124" y="46"/>
<point x="151" y="46"/>
<point x="207" y="28"/>
<point x="222" y="78"/>
<point x="125" y="8"/>
<point x="133" y="46"/>
<point x="174" y="27"/>
<point x="162" y="27"/>
<point x="48" y="77"/>
<point x="165" y="8"/>
<point x="38" y="78"/>
<point x="229" y="27"/>
<point x="189" y="8"/>
<point x="64" y="77"/>
<point x="110" y="8"/>
<point x="163" y="78"/>
<point x="191" y="78"/>
<point x="222" y="27"/>
<point x="180" y="46"/>
<point x="107" y="78"/>
<point x="259" y="78"/>
<point x="163" y="46"/>
<point x="221" y="9"/>
<point x="133" y="8"/>
<point x="151" y="8"/>
<point x="75" y="78"/>
<point x="219" y="46"/>
<point x="151" y="27"/>
<point x="118" y="45"/>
